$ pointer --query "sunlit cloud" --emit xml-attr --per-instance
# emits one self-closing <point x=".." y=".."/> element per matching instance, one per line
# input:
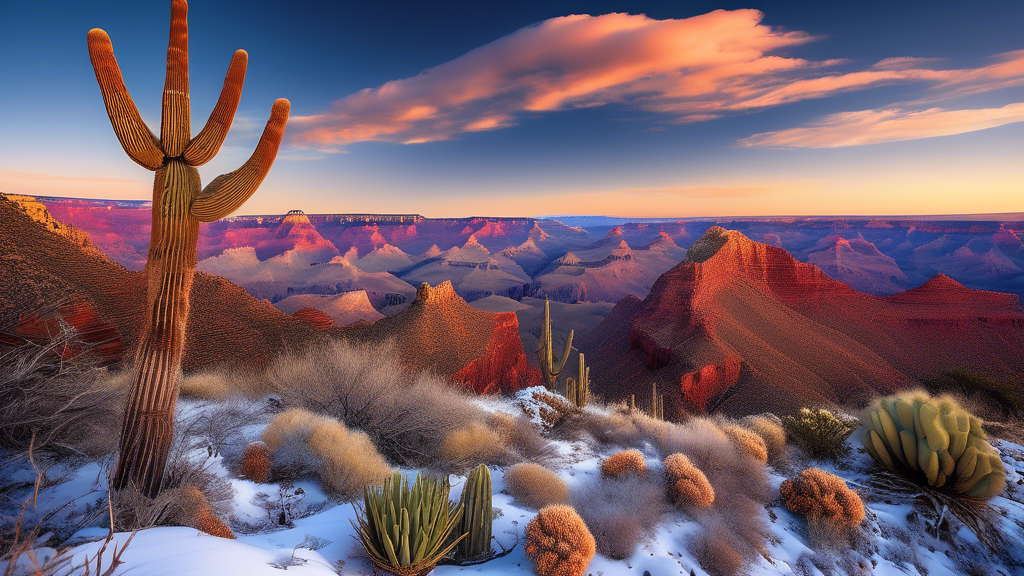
<point x="692" y="70"/>
<point x="886" y="125"/>
<point x="699" y="191"/>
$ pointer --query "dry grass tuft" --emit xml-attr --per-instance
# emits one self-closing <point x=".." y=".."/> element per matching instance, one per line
<point x="831" y="508"/>
<point x="714" y="549"/>
<point x="622" y="464"/>
<point x="535" y="485"/>
<point x="769" y="428"/>
<point x="621" y="514"/>
<point x="198" y="514"/>
<point x="212" y="385"/>
<point x="472" y="445"/>
<point x="747" y="441"/>
<point x="688" y="486"/>
<point x="345" y="460"/>
<point x="559" y="543"/>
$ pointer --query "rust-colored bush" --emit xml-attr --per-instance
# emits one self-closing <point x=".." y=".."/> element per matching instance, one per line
<point x="199" y="514"/>
<point x="622" y="464"/>
<point x="688" y="486"/>
<point x="255" y="464"/>
<point x="823" y="497"/>
<point x="769" y="428"/>
<point x="747" y="441"/>
<point x="535" y="485"/>
<point x="559" y="543"/>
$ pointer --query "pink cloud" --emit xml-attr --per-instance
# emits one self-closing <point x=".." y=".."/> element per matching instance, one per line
<point x="891" y="125"/>
<point x="692" y="69"/>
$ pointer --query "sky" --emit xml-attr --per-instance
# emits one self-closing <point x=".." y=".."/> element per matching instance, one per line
<point x="632" y="109"/>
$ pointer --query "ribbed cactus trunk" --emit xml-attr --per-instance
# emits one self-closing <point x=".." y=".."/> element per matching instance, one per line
<point x="477" y="515"/>
<point x="549" y="367"/>
<point x="179" y="205"/>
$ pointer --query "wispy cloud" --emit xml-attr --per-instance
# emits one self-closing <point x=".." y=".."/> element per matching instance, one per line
<point x="887" y="125"/>
<point x="699" y="191"/>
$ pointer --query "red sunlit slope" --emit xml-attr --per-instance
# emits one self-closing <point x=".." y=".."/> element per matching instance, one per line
<point x="743" y="327"/>
<point x="442" y="333"/>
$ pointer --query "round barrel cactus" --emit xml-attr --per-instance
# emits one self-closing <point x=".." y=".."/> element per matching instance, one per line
<point x="934" y="439"/>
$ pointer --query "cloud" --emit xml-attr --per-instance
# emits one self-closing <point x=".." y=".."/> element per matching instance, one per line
<point x="699" y="191"/>
<point x="35" y="184"/>
<point x="886" y="125"/>
<point x="692" y="70"/>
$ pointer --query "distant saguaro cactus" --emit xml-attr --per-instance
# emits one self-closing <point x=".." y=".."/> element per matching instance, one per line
<point x="549" y="367"/>
<point x="578" y="390"/>
<point x="178" y="207"/>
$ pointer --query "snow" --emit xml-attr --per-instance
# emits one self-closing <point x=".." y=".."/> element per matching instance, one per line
<point x="892" y="545"/>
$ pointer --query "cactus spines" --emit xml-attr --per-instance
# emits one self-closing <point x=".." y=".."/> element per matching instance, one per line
<point x="477" y="515"/>
<point x="935" y="440"/>
<point x="179" y="205"/>
<point x="549" y="367"/>
<point x="578" y="390"/>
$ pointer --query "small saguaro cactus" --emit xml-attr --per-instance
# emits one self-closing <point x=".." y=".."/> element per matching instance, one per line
<point x="545" y="351"/>
<point x="657" y="403"/>
<point x="578" y="391"/>
<point x="179" y="205"/>
<point x="477" y="515"/>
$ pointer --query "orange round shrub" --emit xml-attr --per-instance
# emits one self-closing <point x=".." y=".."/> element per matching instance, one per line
<point x="255" y="463"/>
<point x="747" y="441"/>
<point x="688" y="486"/>
<point x="559" y="543"/>
<point x="821" y="496"/>
<point x="199" y="515"/>
<point x="624" y="463"/>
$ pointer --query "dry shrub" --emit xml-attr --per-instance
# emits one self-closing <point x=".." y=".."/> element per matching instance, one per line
<point x="623" y="464"/>
<point x="821" y="432"/>
<point x="199" y="514"/>
<point x="60" y="406"/>
<point x="345" y="460"/>
<point x="747" y="441"/>
<point x="831" y="508"/>
<point x="535" y="485"/>
<point x="408" y="416"/>
<point x="210" y="385"/>
<point x="620" y="514"/>
<point x="474" y="444"/>
<point x="255" y="464"/>
<point x="714" y="548"/>
<point x="556" y="410"/>
<point x="740" y="483"/>
<point x="618" y="428"/>
<point x="769" y="427"/>
<point x="688" y="486"/>
<point x="520" y="437"/>
<point x="559" y="543"/>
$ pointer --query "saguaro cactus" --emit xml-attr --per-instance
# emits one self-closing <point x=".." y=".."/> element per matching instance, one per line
<point x="549" y="367"/>
<point x="476" y="515"/>
<point x="179" y="205"/>
<point x="577" y="390"/>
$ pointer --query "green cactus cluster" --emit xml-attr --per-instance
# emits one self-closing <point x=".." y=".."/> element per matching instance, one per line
<point x="821" y="432"/>
<point x="405" y="530"/>
<point x="549" y="366"/>
<point x="934" y="439"/>
<point x="476" y="515"/>
<point x="578" y="390"/>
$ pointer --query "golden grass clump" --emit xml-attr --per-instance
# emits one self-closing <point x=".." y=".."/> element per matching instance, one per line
<point x="769" y="428"/>
<point x="559" y="543"/>
<point x="622" y="464"/>
<point x="199" y="514"/>
<point x="255" y="464"/>
<point x="474" y="444"/>
<point x="688" y="486"/>
<point x="535" y="485"/>
<point x="347" y="459"/>
<point x="747" y="441"/>
<point x="823" y="497"/>
<point x="210" y="385"/>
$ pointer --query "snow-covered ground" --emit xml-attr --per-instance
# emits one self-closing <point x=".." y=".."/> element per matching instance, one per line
<point x="894" y="539"/>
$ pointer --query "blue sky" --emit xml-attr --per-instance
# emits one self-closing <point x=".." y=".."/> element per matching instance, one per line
<point x="637" y="109"/>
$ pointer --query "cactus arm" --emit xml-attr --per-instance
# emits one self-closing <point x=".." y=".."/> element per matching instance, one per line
<point x="205" y="146"/>
<point x="175" y="124"/>
<point x="137" y="140"/>
<point x="565" y="353"/>
<point x="229" y="191"/>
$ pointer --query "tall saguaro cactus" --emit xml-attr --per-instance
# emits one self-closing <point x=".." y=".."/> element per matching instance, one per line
<point x="549" y="367"/>
<point x="179" y="205"/>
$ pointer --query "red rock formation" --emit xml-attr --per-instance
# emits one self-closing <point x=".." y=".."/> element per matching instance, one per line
<point x="743" y="327"/>
<point x="504" y="367"/>
<point x="315" y="318"/>
<point x="87" y="331"/>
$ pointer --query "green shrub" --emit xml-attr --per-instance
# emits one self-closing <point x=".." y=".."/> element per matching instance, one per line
<point x="935" y="441"/>
<point x="820" y="432"/>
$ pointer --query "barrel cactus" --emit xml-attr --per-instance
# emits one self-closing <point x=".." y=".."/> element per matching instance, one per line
<point x="936" y="440"/>
<point x="476" y="515"/>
